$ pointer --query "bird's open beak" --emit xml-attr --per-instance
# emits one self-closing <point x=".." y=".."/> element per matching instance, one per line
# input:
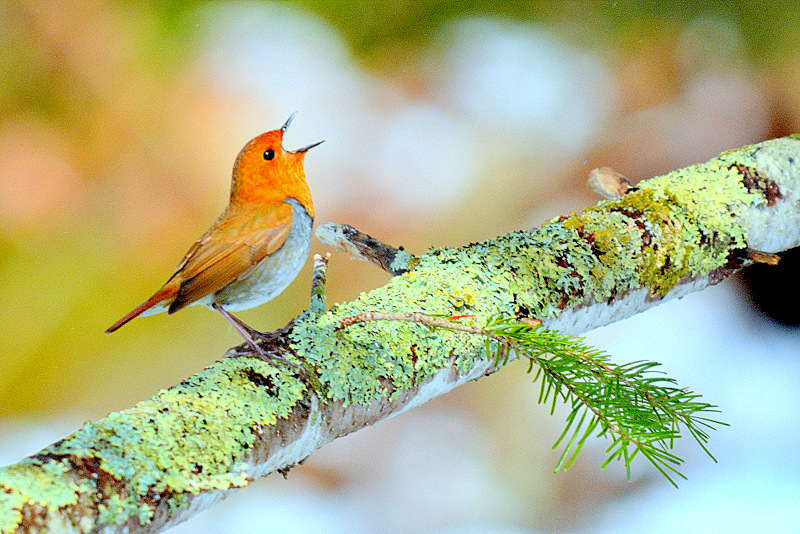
<point x="305" y="148"/>
<point x="309" y="147"/>
<point x="288" y="122"/>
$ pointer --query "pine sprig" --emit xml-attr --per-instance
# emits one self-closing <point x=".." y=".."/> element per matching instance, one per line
<point x="639" y="408"/>
<point x="634" y="404"/>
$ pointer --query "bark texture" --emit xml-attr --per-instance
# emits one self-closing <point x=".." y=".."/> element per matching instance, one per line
<point x="158" y="463"/>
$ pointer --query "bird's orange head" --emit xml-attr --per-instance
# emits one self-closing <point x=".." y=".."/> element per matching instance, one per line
<point x="264" y="172"/>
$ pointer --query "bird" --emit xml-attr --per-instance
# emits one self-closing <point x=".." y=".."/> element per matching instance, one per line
<point x="256" y="247"/>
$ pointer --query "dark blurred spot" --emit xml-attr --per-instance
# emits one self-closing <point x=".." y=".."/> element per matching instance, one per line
<point x="775" y="290"/>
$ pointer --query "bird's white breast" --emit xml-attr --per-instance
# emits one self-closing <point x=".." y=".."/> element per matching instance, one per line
<point x="275" y="272"/>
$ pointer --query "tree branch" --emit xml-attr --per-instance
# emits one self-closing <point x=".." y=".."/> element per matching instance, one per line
<point x="163" y="460"/>
<point x="363" y="247"/>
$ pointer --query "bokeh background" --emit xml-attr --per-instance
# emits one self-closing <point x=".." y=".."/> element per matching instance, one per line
<point x="446" y="123"/>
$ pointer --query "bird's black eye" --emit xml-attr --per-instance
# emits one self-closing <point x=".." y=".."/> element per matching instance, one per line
<point x="269" y="154"/>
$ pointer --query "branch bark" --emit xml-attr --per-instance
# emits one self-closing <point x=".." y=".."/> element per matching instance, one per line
<point x="158" y="463"/>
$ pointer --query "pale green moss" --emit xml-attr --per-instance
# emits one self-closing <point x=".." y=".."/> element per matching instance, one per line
<point x="194" y="437"/>
<point x="402" y="261"/>
<point x="43" y="482"/>
<point x="187" y="439"/>
<point x="673" y="227"/>
<point x="339" y="356"/>
<point x="696" y="233"/>
<point x="446" y="282"/>
<point x="115" y="510"/>
<point x="11" y="510"/>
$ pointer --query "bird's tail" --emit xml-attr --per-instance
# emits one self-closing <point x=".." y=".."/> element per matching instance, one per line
<point x="166" y="292"/>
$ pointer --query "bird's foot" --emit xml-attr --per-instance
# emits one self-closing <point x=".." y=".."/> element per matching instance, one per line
<point x="274" y="358"/>
<point x="250" y="335"/>
<point x="271" y="355"/>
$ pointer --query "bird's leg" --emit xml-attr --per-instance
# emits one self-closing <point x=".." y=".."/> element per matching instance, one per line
<point x="248" y="333"/>
<point x="317" y="304"/>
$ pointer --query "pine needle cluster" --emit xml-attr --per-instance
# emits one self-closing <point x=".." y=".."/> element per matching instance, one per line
<point x="635" y="405"/>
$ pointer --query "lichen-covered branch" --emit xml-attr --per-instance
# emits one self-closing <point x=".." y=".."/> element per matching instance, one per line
<point x="165" y="459"/>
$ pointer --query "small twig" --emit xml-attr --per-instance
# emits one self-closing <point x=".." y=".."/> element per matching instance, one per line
<point x="608" y="183"/>
<point x="446" y="322"/>
<point x="317" y="304"/>
<point x="361" y="246"/>
<point x="411" y="318"/>
<point x="570" y="381"/>
<point x="763" y="257"/>
<point x="530" y="321"/>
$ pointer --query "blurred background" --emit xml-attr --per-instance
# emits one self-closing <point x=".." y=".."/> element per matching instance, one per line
<point x="446" y="123"/>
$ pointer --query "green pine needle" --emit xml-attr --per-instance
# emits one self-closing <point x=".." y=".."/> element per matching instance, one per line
<point x="634" y="404"/>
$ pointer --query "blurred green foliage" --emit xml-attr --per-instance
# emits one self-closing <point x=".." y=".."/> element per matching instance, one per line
<point x="106" y="90"/>
<point x="377" y="30"/>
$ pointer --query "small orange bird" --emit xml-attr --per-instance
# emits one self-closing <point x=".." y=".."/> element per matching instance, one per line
<point x="256" y="247"/>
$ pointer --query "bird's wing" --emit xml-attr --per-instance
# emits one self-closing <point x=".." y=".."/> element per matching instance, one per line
<point x="237" y="242"/>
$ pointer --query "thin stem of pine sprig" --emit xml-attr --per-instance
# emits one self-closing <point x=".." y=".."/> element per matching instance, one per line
<point x="659" y="457"/>
<point x="646" y="399"/>
<point x="639" y="410"/>
<point x="632" y="376"/>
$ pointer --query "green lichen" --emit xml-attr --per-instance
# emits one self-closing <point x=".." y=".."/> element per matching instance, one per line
<point x="195" y="436"/>
<point x="187" y="439"/>
<point x="670" y="228"/>
<point x="115" y="510"/>
<point x="673" y="227"/>
<point x="44" y="481"/>
<point x="402" y="261"/>
<point x="462" y="298"/>
<point x="11" y="510"/>
<point x="368" y="360"/>
<point x="361" y="362"/>
<point x="213" y="429"/>
<point x="38" y="482"/>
